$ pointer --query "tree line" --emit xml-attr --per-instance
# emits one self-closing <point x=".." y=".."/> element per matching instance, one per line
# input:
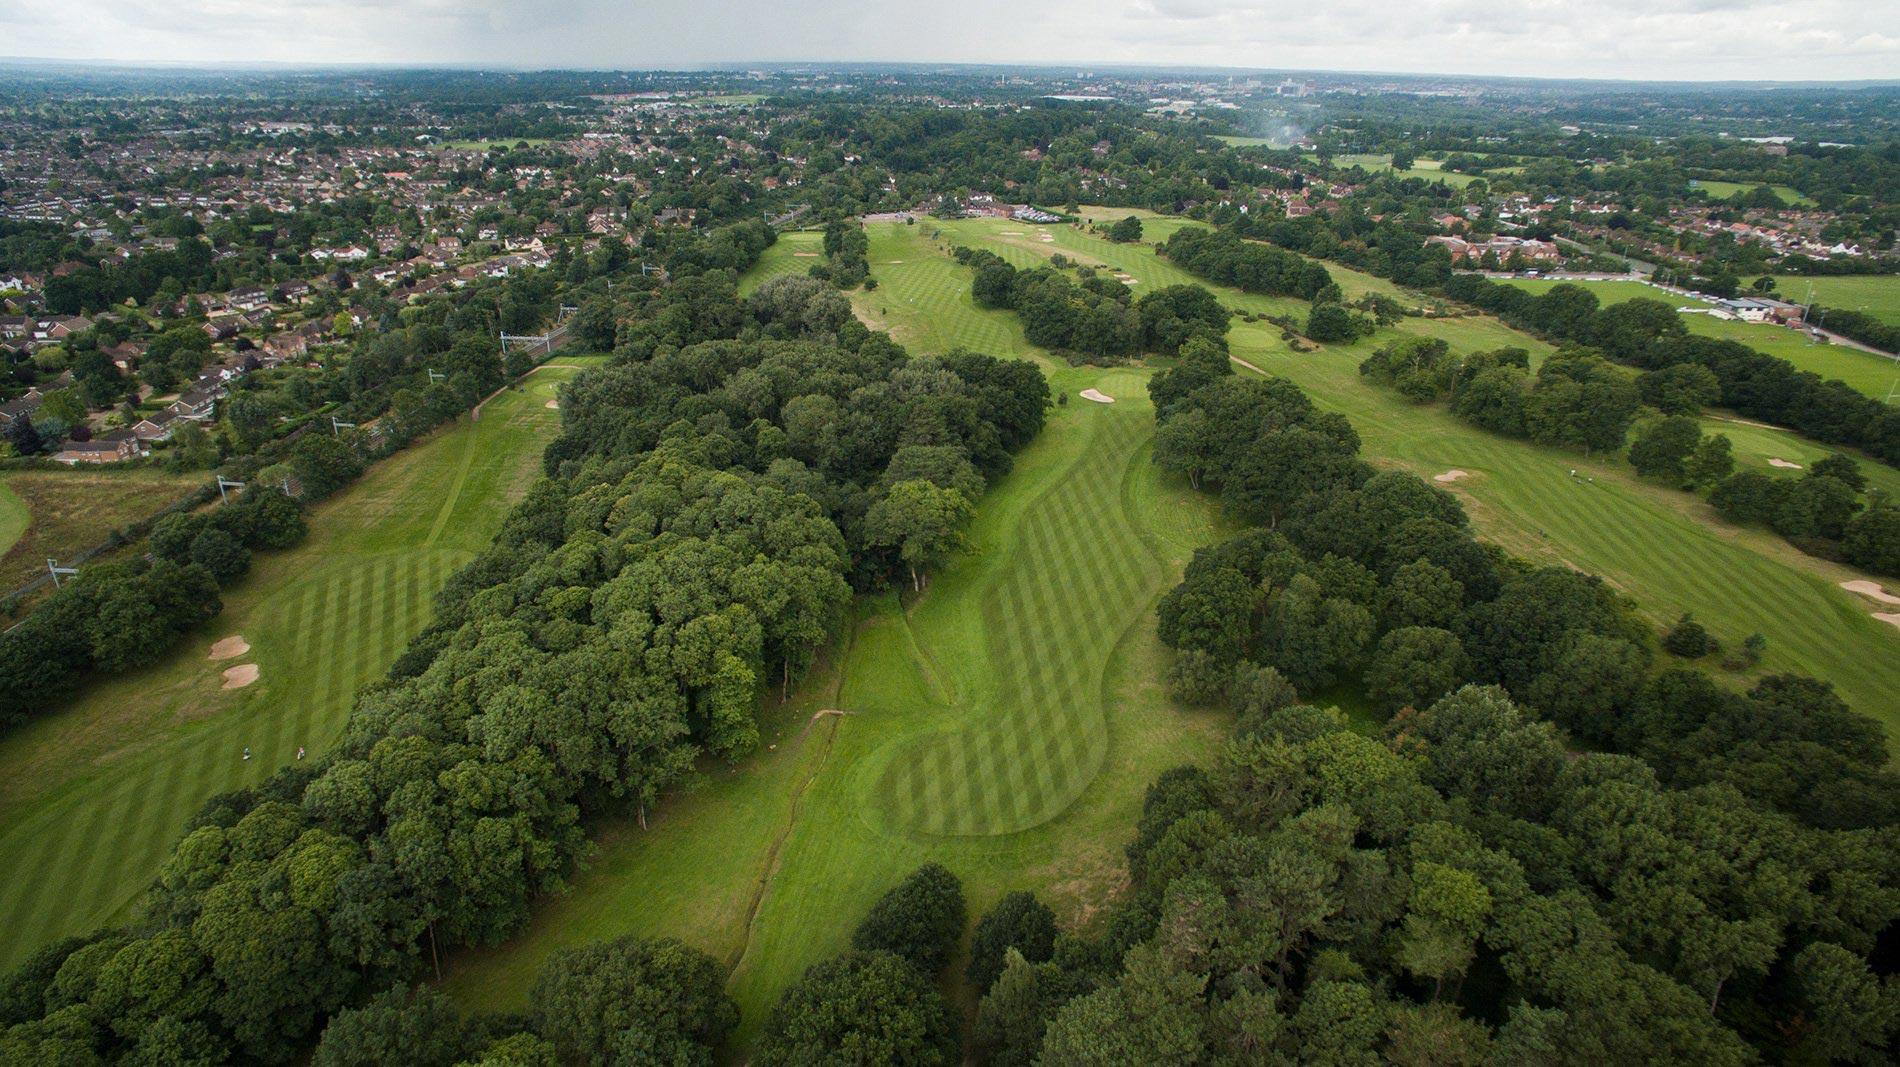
<point x="1094" y="317"/>
<point x="1578" y="399"/>
<point x="720" y="488"/>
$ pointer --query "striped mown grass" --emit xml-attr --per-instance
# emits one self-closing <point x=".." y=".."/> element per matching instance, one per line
<point x="1052" y="613"/>
<point x="93" y="796"/>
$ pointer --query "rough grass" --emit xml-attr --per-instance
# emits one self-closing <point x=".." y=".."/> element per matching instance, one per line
<point x="14" y="516"/>
<point x="73" y="510"/>
<point x="93" y="796"/>
<point x="1867" y="372"/>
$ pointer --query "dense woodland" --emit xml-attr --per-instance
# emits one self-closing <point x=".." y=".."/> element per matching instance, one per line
<point x="720" y="488"/>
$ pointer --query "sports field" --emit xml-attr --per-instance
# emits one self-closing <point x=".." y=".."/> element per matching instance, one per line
<point x="1719" y="190"/>
<point x="92" y="797"/>
<point x="1867" y="372"/>
<point x="1005" y="724"/>
<point x="1877" y="295"/>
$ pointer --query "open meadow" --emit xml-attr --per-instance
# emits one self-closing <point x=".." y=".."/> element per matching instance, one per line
<point x="93" y="796"/>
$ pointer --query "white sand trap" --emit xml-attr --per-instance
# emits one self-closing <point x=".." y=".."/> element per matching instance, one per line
<point x="1451" y="476"/>
<point x="1784" y="463"/>
<point x="892" y="262"/>
<point x="806" y="255"/>
<point x="1098" y="396"/>
<point x="1888" y="617"/>
<point x="554" y="403"/>
<point x="1010" y="233"/>
<point x="234" y="646"/>
<point x="1870" y="589"/>
<point x="240" y="676"/>
<point x="1130" y="281"/>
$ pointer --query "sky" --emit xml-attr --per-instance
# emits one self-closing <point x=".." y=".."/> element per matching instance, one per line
<point x="1627" y="39"/>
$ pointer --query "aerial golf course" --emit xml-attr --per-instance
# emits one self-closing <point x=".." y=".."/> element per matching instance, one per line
<point x="92" y="799"/>
<point x="1006" y="721"/>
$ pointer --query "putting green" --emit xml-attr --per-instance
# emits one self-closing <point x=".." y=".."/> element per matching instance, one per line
<point x="93" y="796"/>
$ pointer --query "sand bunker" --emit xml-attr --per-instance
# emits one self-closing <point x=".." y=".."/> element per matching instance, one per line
<point x="240" y="676"/>
<point x="1098" y="396"/>
<point x="806" y="255"/>
<point x="1888" y="617"/>
<point x="1784" y="463"/>
<point x="1871" y="589"/>
<point x="554" y="403"/>
<point x="1010" y="233"/>
<point x="1451" y="476"/>
<point x="235" y="646"/>
<point x="1131" y="281"/>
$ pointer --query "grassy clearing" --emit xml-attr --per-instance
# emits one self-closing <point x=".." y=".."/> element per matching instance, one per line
<point x="1245" y="142"/>
<point x="73" y="510"/>
<point x="92" y="798"/>
<point x="1718" y="190"/>
<point x="1867" y="372"/>
<point x="1004" y="724"/>
<point x="1875" y="295"/>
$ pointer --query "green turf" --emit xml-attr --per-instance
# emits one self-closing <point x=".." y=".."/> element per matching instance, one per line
<point x="1719" y="190"/>
<point x="14" y="516"/>
<point x="1005" y="724"/>
<point x="92" y="796"/>
<point x="1667" y="549"/>
<point x="1876" y="295"/>
<point x="1868" y="372"/>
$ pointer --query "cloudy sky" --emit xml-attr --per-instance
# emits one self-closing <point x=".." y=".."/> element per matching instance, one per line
<point x="1643" y="39"/>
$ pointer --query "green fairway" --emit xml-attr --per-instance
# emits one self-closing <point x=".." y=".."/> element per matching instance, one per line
<point x="1667" y="549"/>
<point x="1877" y="295"/>
<point x="1005" y="724"/>
<point x="1719" y="190"/>
<point x="1867" y="372"/>
<point x="93" y="795"/>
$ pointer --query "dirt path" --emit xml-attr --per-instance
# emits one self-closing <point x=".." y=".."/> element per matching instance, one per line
<point x="773" y="854"/>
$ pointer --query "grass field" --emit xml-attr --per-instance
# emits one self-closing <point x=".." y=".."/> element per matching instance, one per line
<point x="1875" y="295"/>
<point x="92" y="796"/>
<point x="73" y="510"/>
<point x="1865" y="371"/>
<point x="14" y="516"/>
<point x="1718" y="190"/>
<point x="1005" y="724"/>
